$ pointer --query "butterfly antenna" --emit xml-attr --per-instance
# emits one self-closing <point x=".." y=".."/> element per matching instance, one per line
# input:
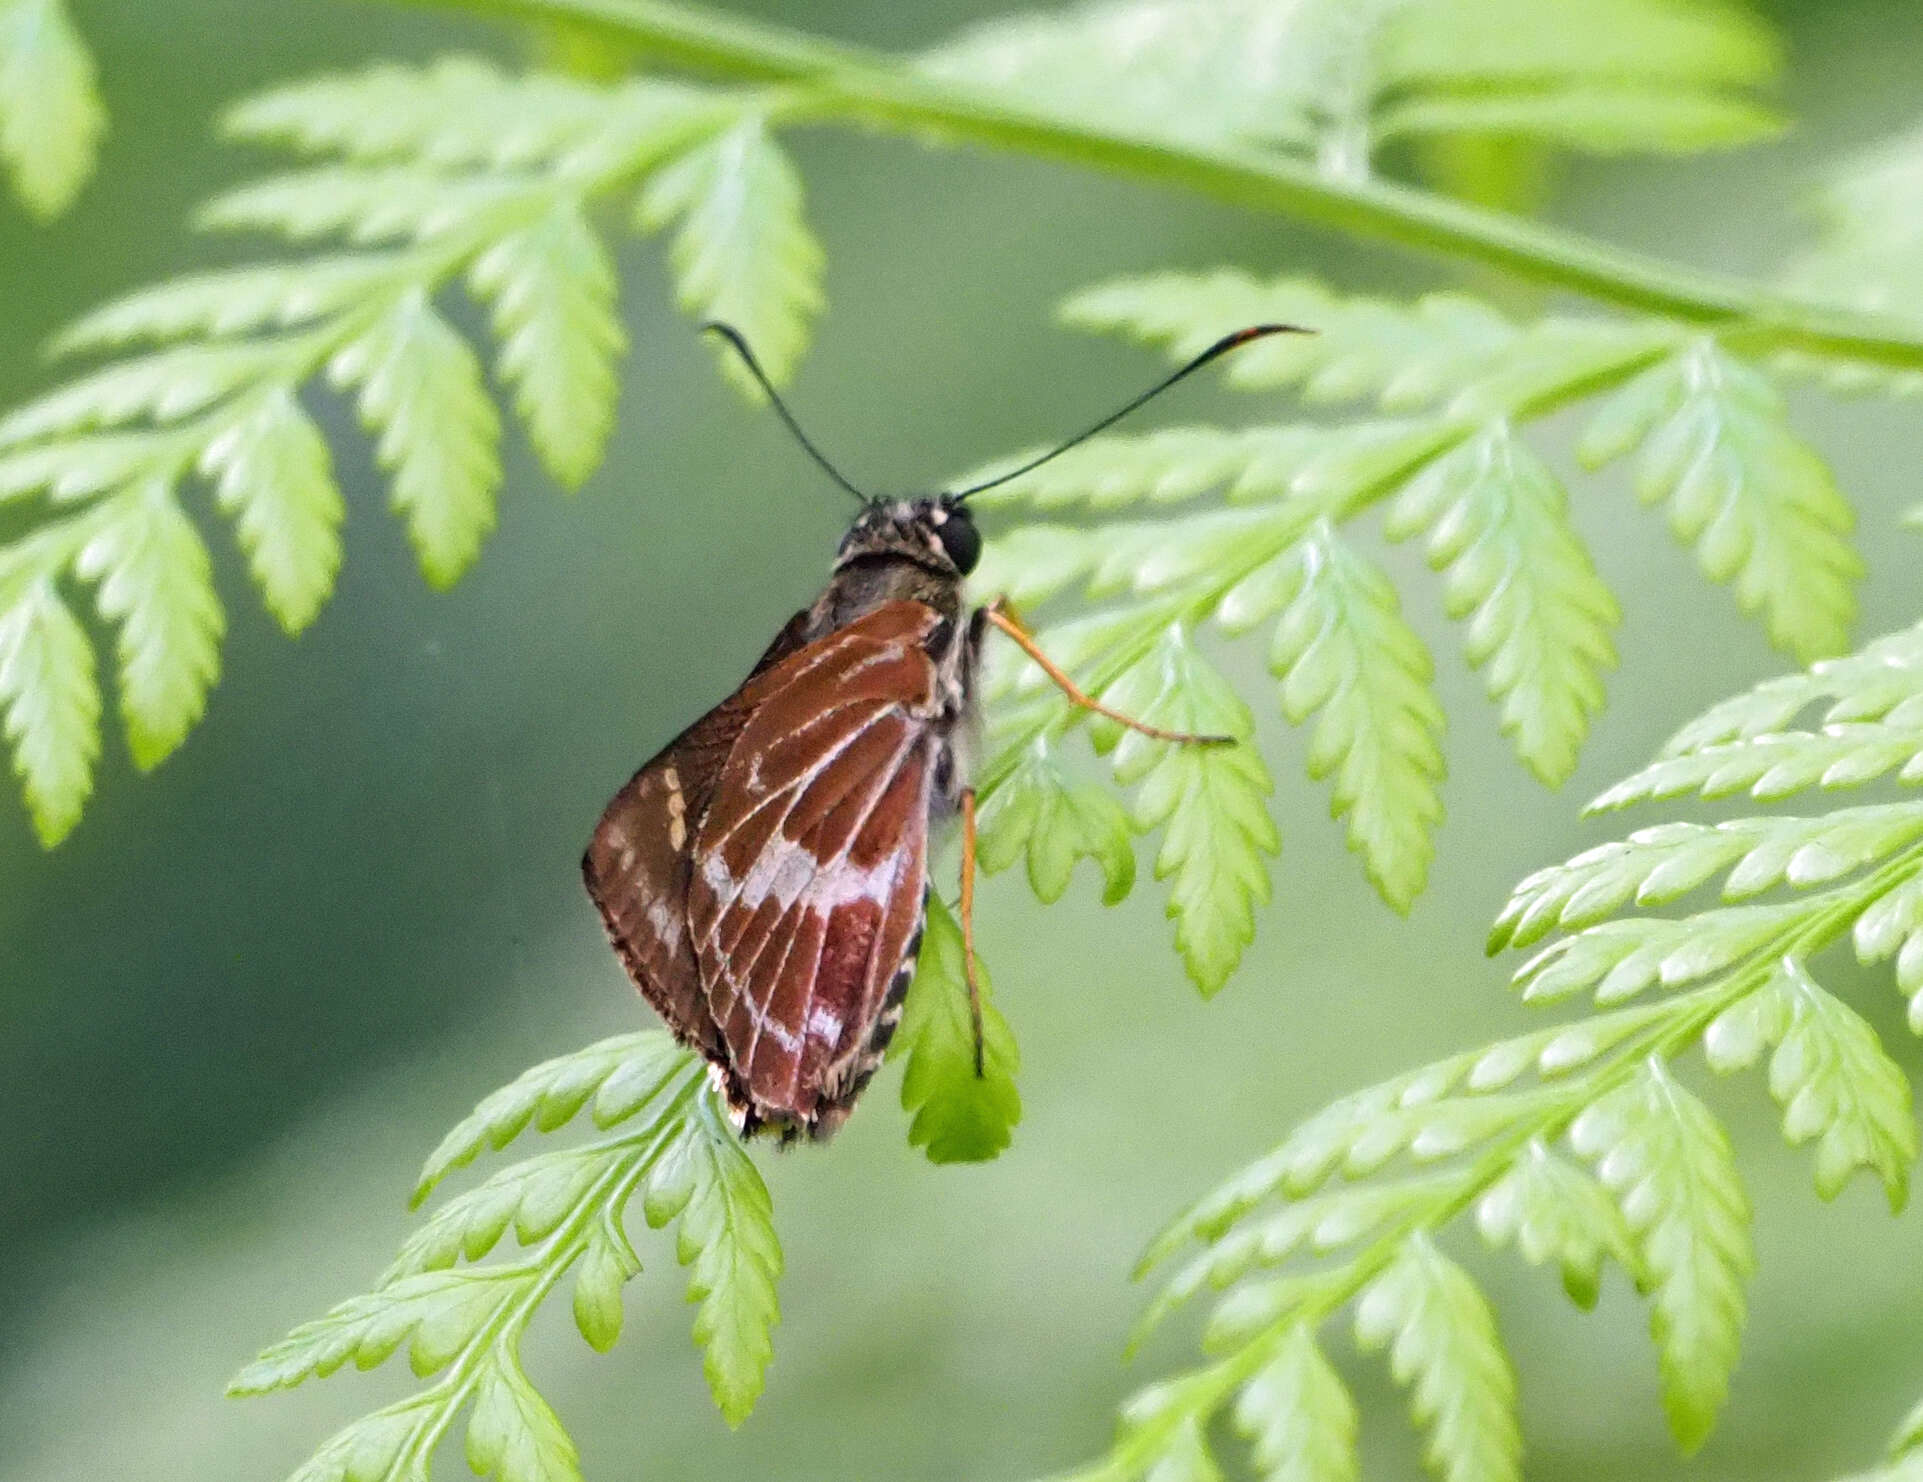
<point x="1220" y="348"/>
<point x="738" y="342"/>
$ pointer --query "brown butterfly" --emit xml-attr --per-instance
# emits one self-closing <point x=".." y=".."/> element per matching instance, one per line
<point x="764" y="877"/>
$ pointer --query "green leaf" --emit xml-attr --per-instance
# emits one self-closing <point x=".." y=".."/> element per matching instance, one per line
<point x="727" y="1239"/>
<point x="531" y="1197"/>
<point x="1668" y="1161"/>
<point x="1830" y="1075"/>
<point x="437" y="1312"/>
<point x="620" y="1076"/>
<point x="1519" y="42"/>
<point x="1443" y="349"/>
<point x="272" y="473"/>
<point x="389" y="1445"/>
<point x="372" y="203"/>
<point x="1872" y="684"/>
<point x="608" y="1264"/>
<point x="1871" y="210"/>
<point x="513" y="1433"/>
<point x="1622" y="958"/>
<point x="1614" y="75"/>
<point x="421" y="388"/>
<point x="1551" y="1210"/>
<point x="1599" y="118"/>
<point x="51" y="116"/>
<point x="1345" y="655"/>
<point x="1776" y="765"/>
<point x="156" y="585"/>
<point x="232" y="301"/>
<point x="743" y="254"/>
<point x="1654" y="866"/>
<point x="1539" y="617"/>
<point x="457" y="111"/>
<point x="552" y="287"/>
<point x="1760" y="507"/>
<point x="1400" y="356"/>
<point x="959" y="1117"/>
<point x="166" y="386"/>
<point x="1168" y="466"/>
<point x="1340" y="1217"/>
<point x="1443" y="1345"/>
<point x="1036" y="813"/>
<point x="1297" y="1416"/>
<point x="76" y="468"/>
<point x="52" y="706"/>
<point x="1211" y="802"/>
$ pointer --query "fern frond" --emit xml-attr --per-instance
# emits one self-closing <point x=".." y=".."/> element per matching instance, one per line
<point x="155" y="585"/>
<point x="1669" y="1163"/>
<point x="465" y="1284"/>
<point x="51" y="116"/>
<point x="1442" y="1345"/>
<point x="463" y="1320"/>
<point x="1297" y="1416"/>
<point x="421" y="389"/>
<point x="1871" y="250"/>
<point x="552" y="288"/>
<point x="1450" y="467"/>
<point x="1578" y="1144"/>
<point x="1344" y="653"/>
<point x="455" y="173"/>
<point x="461" y="112"/>
<point x="1758" y="505"/>
<point x="1340" y="81"/>
<point x="1539" y="617"/>
<point x="53" y="706"/>
<point x="743" y="254"/>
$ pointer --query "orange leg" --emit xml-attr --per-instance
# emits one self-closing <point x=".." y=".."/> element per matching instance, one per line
<point x="968" y="925"/>
<point x="1002" y="616"/>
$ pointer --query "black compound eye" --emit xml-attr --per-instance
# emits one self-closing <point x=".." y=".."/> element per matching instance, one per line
<point x="960" y="539"/>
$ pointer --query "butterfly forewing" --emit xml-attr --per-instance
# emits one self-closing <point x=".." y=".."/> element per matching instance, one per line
<point x="811" y="860"/>
<point x="640" y="860"/>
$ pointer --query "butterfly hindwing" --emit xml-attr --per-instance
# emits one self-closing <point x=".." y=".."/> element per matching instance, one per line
<point x="639" y="861"/>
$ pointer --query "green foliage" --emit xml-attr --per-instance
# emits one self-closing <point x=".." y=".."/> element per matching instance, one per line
<point x="1579" y="1145"/>
<point x="461" y="1316"/>
<point x="429" y="177"/>
<point x="1759" y="506"/>
<point x="743" y="255"/>
<point x="665" y="1136"/>
<point x="1443" y="1346"/>
<point x="1344" y="80"/>
<point x="51" y="116"/>
<point x="1451" y="380"/>
<point x="1344" y="654"/>
<point x="1871" y="252"/>
<point x="957" y="1115"/>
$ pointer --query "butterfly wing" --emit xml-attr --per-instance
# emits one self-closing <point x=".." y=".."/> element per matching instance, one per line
<point x="638" y="863"/>
<point x="810" y="860"/>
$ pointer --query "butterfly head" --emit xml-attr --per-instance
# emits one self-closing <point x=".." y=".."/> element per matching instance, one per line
<point x="935" y="532"/>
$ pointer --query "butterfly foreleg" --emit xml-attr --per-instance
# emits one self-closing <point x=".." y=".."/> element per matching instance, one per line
<point x="968" y="926"/>
<point x="1002" y="615"/>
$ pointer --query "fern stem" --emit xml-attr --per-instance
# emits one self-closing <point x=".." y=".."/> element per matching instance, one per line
<point x="877" y="88"/>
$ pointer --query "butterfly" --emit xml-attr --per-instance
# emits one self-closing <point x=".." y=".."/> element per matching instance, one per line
<point x="764" y="877"/>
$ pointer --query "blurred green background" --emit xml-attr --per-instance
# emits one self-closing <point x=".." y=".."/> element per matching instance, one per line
<point x="252" y="990"/>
